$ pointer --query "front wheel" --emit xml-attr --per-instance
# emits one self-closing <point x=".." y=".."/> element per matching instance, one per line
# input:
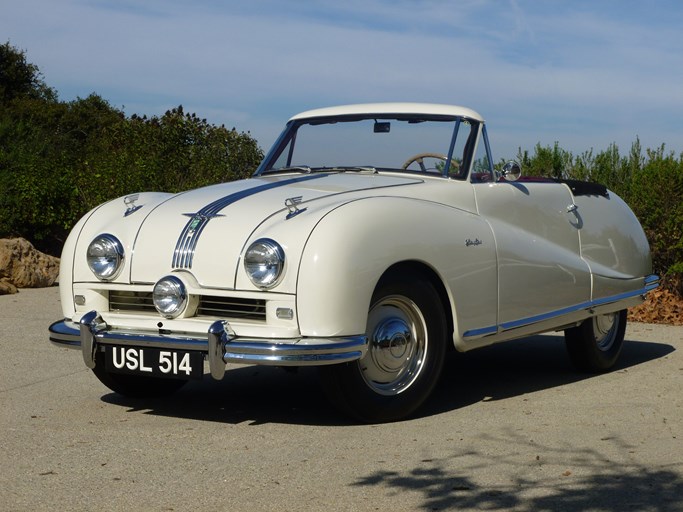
<point x="407" y="335"/>
<point x="595" y="345"/>
<point x="134" y="386"/>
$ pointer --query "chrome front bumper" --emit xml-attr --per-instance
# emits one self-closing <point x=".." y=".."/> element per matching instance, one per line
<point x="220" y="345"/>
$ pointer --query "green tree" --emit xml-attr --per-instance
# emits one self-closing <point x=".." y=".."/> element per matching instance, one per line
<point x="60" y="159"/>
<point x="19" y="78"/>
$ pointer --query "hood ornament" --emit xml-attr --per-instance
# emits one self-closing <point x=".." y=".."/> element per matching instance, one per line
<point x="292" y="204"/>
<point x="129" y="201"/>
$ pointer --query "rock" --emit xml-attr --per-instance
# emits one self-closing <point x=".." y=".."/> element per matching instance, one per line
<point x="7" y="288"/>
<point x="23" y="266"/>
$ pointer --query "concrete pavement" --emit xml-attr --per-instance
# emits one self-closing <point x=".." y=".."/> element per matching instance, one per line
<point x="511" y="427"/>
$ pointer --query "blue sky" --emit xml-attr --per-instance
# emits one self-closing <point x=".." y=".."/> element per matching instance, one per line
<point x="583" y="73"/>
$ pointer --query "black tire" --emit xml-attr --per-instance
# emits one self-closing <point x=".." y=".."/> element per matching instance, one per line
<point x="134" y="386"/>
<point x="395" y="377"/>
<point x="595" y="345"/>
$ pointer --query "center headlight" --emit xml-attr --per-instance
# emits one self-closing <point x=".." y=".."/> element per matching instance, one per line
<point x="169" y="296"/>
<point x="264" y="262"/>
<point x="105" y="257"/>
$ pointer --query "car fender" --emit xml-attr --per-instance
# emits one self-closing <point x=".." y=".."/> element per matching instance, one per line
<point x="117" y="217"/>
<point x="66" y="265"/>
<point x="613" y="244"/>
<point x="352" y="246"/>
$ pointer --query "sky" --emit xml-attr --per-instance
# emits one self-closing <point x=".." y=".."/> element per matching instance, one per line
<point x="585" y="74"/>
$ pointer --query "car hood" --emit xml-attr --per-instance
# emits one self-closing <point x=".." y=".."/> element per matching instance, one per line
<point x="205" y="231"/>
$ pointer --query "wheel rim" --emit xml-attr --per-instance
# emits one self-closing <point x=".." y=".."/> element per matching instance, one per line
<point x="398" y="342"/>
<point x="604" y="330"/>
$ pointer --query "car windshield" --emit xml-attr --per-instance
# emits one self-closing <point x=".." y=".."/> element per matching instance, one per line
<point x="409" y="143"/>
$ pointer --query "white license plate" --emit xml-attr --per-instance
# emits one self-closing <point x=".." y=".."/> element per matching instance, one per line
<point x="154" y="362"/>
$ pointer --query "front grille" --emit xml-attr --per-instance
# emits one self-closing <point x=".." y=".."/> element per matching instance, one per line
<point x="230" y="307"/>
<point x="209" y="305"/>
<point x="131" y="301"/>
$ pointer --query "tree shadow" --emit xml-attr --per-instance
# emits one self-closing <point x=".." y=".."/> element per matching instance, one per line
<point x="605" y="485"/>
<point x="261" y="394"/>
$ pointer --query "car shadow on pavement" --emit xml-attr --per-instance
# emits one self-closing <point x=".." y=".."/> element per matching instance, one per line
<point x="247" y="394"/>
<point x="519" y="367"/>
<point x="261" y="394"/>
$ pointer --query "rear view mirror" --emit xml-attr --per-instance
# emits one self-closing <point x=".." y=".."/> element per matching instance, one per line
<point x="511" y="171"/>
<point x="384" y="127"/>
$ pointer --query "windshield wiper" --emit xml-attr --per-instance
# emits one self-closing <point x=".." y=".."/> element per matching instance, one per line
<point x="352" y="168"/>
<point x="308" y="170"/>
<point x="292" y="168"/>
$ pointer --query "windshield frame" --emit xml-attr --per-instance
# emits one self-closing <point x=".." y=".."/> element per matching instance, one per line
<point x="289" y="134"/>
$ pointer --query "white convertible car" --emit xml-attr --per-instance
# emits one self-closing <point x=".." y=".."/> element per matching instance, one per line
<point x="370" y="240"/>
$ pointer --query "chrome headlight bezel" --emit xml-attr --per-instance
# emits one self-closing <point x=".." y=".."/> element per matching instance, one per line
<point x="105" y="257"/>
<point x="170" y="297"/>
<point x="264" y="263"/>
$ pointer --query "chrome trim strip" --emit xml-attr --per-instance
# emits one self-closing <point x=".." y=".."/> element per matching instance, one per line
<point x="514" y="324"/>
<point x="652" y="279"/>
<point x="651" y="282"/>
<point x="483" y="331"/>
<point x="221" y="346"/>
<point x="186" y="245"/>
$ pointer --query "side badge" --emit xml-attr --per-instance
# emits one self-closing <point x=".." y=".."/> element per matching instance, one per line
<point x="469" y="242"/>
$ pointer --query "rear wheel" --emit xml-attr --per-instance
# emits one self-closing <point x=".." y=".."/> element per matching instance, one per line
<point x="595" y="345"/>
<point x="134" y="386"/>
<point x="407" y="335"/>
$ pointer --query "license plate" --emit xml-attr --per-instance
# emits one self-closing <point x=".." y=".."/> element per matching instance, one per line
<point x="154" y="362"/>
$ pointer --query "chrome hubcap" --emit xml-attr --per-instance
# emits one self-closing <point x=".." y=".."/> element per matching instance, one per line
<point x="604" y="329"/>
<point x="398" y="344"/>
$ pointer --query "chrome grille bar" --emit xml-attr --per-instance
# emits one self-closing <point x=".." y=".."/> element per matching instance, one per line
<point x="209" y="305"/>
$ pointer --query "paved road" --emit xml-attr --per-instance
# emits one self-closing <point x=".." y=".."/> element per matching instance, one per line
<point x="511" y="427"/>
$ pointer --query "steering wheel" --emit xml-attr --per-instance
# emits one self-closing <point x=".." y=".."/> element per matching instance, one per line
<point x="419" y="158"/>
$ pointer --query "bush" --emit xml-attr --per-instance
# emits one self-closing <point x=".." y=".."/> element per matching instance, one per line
<point x="58" y="159"/>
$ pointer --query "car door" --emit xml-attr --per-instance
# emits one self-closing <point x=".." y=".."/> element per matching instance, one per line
<point x="540" y="269"/>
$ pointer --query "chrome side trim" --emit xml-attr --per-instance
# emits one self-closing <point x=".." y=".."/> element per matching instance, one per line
<point x="220" y="345"/>
<point x="483" y="331"/>
<point x="651" y="282"/>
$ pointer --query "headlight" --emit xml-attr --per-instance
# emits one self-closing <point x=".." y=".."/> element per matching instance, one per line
<point x="264" y="262"/>
<point x="169" y="296"/>
<point x="105" y="257"/>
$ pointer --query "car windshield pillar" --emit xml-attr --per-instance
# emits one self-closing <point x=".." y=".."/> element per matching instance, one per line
<point x="451" y="148"/>
<point x="282" y="140"/>
<point x="489" y="156"/>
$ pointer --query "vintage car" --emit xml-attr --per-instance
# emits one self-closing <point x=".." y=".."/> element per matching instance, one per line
<point x="370" y="240"/>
